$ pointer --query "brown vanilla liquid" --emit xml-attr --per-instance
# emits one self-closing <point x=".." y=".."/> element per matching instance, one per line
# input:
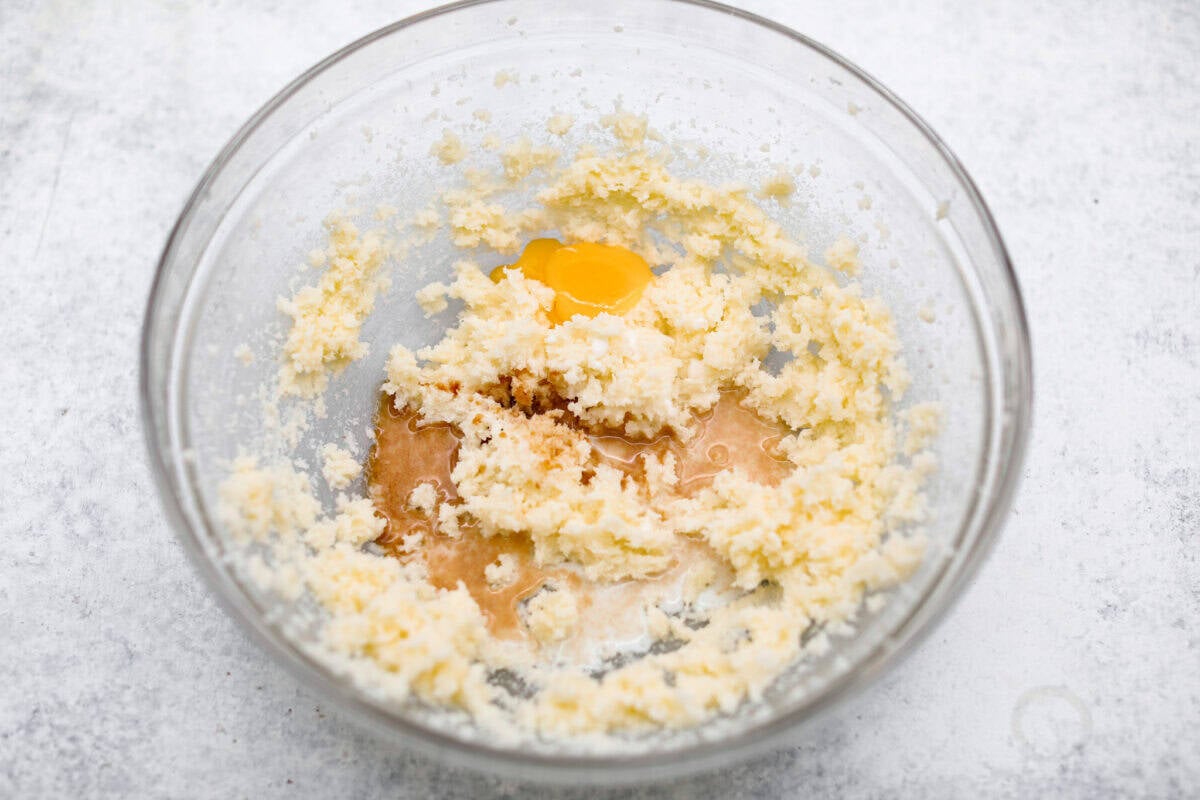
<point x="728" y="435"/>
<point x="408" y="452"/>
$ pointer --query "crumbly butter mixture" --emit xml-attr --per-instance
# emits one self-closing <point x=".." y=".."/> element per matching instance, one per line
<point x="778" y="560"/>
<point x="327" y="317"/>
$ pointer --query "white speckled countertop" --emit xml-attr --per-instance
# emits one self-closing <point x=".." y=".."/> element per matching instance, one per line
<point x="1071" y="668"/>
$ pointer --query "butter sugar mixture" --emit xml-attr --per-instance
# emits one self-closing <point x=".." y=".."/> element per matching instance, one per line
<point x="655" y="455"/>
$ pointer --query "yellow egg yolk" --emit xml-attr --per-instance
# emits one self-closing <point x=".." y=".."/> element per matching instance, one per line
<point x="587" y="278"/>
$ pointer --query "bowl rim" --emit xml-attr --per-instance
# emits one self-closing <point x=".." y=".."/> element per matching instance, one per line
<point x="757" y="739"/>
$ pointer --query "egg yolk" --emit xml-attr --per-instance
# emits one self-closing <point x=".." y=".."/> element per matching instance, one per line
<point x="587" y="278"/>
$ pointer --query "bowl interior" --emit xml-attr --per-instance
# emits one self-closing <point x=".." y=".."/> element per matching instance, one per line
<point x="734" y="99"/>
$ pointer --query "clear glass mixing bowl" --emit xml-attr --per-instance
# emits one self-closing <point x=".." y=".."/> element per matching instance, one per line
<point x="740" y="95"/>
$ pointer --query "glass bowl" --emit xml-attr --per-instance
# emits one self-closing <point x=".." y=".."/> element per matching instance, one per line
<point x="737" y="96"/>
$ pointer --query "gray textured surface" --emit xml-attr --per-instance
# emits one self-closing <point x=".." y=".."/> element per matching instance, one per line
<point x="1070" y="668"/>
